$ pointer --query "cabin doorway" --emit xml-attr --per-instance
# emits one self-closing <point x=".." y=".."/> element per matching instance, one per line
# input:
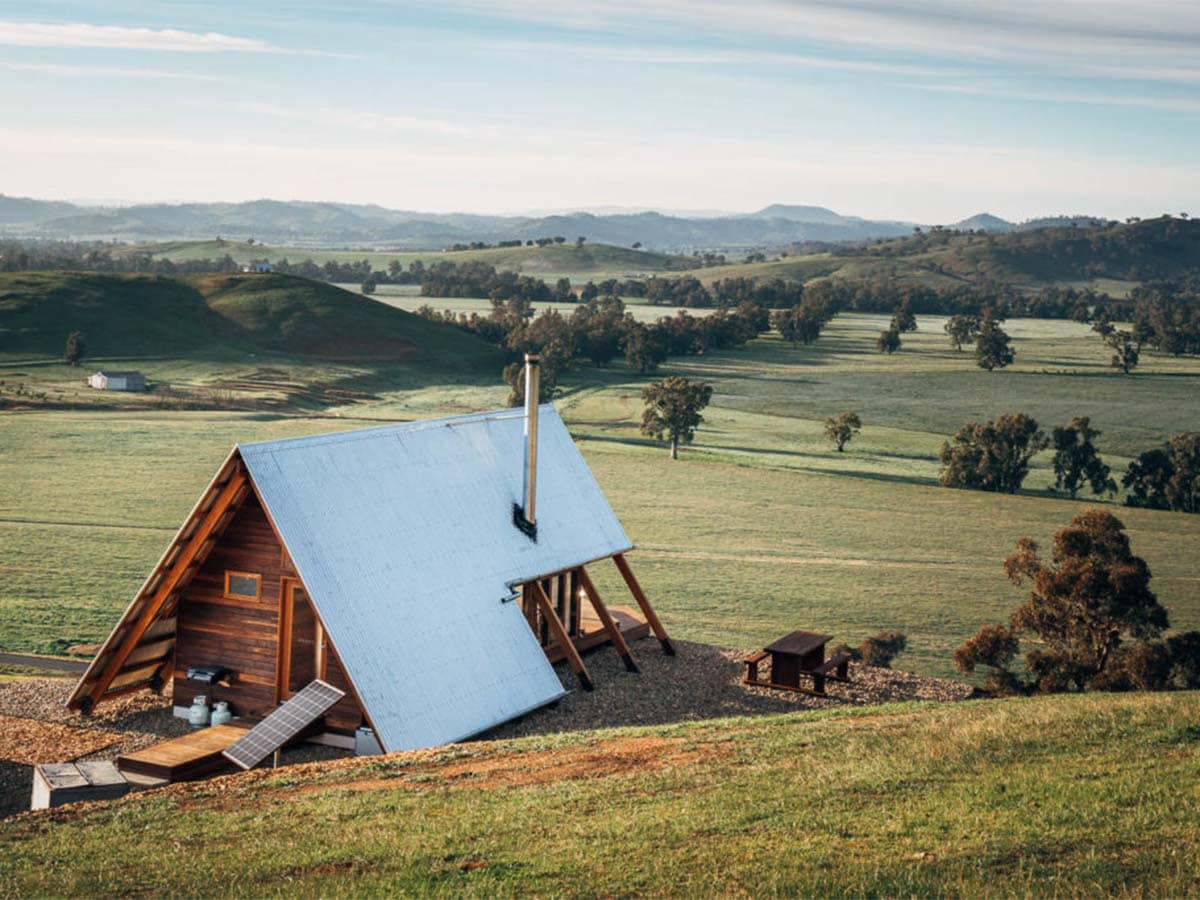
<point x="301" y="641"/>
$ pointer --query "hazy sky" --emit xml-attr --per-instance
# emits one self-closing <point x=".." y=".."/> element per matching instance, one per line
<point x="928" y="110"/>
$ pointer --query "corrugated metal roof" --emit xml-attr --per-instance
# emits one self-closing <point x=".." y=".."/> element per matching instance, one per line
<point x="403" y="536"/>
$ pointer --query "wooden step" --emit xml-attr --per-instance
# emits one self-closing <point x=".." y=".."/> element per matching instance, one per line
<point x="186" y="758"/>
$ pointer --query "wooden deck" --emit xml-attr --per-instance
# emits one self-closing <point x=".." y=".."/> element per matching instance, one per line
<point x="186" y="758"/>
<point x="631" y="622"/>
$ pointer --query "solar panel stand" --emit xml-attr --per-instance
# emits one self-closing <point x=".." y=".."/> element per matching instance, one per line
<point x="285" y="723"/>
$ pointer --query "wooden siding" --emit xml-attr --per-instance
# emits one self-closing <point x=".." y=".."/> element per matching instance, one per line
<point x="242" y="633"/>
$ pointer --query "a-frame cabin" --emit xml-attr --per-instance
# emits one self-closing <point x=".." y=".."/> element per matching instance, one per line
<point x="403" y="564"/>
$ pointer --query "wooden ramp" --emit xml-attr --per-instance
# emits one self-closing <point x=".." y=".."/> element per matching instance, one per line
<point x="592" y="634"/>
<point x="186" y="758"/>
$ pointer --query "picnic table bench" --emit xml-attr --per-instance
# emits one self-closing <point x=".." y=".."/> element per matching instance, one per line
<point x="796" y="655"/>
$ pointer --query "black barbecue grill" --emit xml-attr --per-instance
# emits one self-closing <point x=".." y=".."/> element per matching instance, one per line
<point x="209" y="674"/>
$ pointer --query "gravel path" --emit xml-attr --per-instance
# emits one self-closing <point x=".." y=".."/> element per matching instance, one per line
<point x="704" y="682"/>
<point x="699" y="682"/>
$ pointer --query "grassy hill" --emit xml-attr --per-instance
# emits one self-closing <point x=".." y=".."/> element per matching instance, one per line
<point x="1072" y="795"/>
<point x="556" y="259"/>
<point x="223" y="341"/>
<point x="132" y="316"/>
<point x="1111" y="258"/>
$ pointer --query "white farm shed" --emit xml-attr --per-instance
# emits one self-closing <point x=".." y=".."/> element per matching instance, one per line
<point x="117" y="381"/>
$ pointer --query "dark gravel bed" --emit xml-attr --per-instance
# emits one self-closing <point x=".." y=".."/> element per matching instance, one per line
<point x="704" y="682"/>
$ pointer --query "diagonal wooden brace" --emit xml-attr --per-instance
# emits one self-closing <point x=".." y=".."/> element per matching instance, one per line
<point x="647" y="610"/>
<point x="610" y="625"/>
<point x="560" y="634"/>
<point x="231" y="494"/>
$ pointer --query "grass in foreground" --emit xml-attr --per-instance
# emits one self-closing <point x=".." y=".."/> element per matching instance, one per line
<point x="1074" y="796"/>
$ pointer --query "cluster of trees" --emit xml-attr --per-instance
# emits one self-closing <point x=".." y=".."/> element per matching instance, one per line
<point x="483" y="245"/>
<point x="687" y="290"/>
<point x="996" y="455"/>
<point x="1091" y="620"/>
<point x="1166" y="477"/>
<point x="598" y="331"/>
<point x="1166" y="314"/>
<point x="903" y="320"/>
<point x="516" y="242"/>
<point x="478" y="279"/>
<point x="803" y="322"/>
<point x="993" y="346"/>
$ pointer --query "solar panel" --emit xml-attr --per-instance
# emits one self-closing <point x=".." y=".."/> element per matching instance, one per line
<point x="283" y="724"/>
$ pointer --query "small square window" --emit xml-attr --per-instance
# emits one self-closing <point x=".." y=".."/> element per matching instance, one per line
<point x="243" y="584"/>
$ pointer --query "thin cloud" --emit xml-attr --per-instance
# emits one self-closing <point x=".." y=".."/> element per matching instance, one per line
<point x="371" y="122"/>
<point x="119" y="37"/>
<point x="675" y="56"/>
<point x="69" y="71"/>
<point x="1152" y="38"/>
<point x="1168" y="104"/>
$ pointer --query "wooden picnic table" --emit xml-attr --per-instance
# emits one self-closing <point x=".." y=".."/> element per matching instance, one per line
<point x="801" y="653"/>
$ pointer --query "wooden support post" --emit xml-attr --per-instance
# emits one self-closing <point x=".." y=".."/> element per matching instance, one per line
<point x="560" y="634"/>
<point x="231" y="494"/>
<point x="610" y="625"/>
<point x="647" y="610"/>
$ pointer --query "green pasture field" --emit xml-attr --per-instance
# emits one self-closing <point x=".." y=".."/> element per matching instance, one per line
<point x="1072" y="796"/>
<point x="760" y="528"/>
<point x="591" y="260"/>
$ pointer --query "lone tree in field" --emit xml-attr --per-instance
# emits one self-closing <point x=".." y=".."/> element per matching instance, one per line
<point x="992" y="350"/>
<point x="991" y="456"/>
<point x="1125" y="351"/>
<point x="369" y="284"/>
<point x="673" y="410"/>
<point x="888" y="342"/>
<point x="1090" y="597"/>
<point x="1076" y="461"/>
<point x="76" y="348"/>
<point x="1167" y="477"/>
<point x="841" y="428"/>
<point x="903" y="319"/>
<point x="961" y="330"/>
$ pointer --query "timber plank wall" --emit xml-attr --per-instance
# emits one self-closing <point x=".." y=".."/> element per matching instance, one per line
<point x="242" y="633"/>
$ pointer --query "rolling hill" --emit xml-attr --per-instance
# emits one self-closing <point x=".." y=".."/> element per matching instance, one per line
<point x="217" y="317"/>
<point x="564" y="259"/>
<point x="332" y="224"/>
<point x="1071" y="795"/>
<point x="1026" y="259"/>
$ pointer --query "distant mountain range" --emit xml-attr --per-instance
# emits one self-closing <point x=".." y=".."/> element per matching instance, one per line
<point x="339" y="224"/>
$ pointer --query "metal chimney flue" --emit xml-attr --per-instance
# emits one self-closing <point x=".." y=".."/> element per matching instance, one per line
<point x="525" y="517"/>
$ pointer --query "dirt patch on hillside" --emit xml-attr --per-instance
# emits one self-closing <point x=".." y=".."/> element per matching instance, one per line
<point x="606" y="759"/>
<point x="30" y="742"/>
